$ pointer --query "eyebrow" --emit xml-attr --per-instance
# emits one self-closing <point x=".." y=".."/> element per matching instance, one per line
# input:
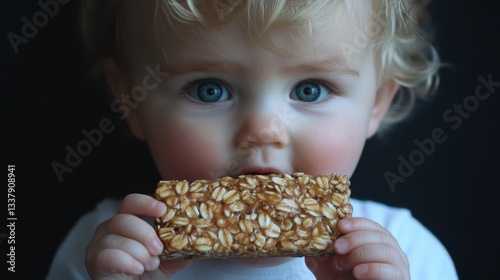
<point x="324" y="66"/>
<point x="202" y="66"/>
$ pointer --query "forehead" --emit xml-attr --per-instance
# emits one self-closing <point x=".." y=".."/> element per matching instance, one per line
<point x="158" y="33"/>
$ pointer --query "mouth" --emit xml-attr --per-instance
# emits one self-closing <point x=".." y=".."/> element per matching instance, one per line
<point x="261" y="171"/>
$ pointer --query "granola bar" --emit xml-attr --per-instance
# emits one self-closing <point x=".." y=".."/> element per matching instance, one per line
<point x="272" y="215"/>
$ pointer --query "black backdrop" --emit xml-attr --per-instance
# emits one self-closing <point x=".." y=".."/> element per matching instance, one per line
<point x="46" y="103"/>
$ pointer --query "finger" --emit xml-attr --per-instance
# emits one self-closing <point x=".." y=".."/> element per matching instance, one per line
<point x="134" y="228"/>
<point x="356" y="239"/>
<point x="167" y="270"/>
<point x="142" y="205"/>
<point x="131" y="247"/>
<point x="170" y="268"/>
<point x="348" y="225"/>
<point x="324" y="267"/>
<point x="112" y="261"/>
<point x="371" y="253"/>
<point x="375" y="271"/>
<point x="356" y="226"/>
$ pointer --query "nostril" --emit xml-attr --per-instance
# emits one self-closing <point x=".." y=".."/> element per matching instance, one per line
<point x="280" y="144"/>
<point x="259" y="131"/>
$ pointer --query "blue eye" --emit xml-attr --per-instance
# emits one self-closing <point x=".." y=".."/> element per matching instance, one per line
<point x="309" y="92"/>
<point x="209" y="92"/>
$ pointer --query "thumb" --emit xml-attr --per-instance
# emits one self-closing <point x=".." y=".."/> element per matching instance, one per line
<point x="323" y="267"/>
<point x="170" y="268"/>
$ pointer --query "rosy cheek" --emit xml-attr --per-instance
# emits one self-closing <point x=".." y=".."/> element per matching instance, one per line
<point x="185" y="152"/>
<point x="326" y="152"/>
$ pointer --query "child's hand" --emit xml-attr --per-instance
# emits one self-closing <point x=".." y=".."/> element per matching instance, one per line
<point x="126" y="246"/>
<point x="366" y="251"/>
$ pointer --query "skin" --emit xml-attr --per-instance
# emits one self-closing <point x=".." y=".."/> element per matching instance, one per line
<point x="259" y="125"/>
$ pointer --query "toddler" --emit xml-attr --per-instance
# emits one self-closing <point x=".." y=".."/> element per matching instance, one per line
<point x="231" y="87"/>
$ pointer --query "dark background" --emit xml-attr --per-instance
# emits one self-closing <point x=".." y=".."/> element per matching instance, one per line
<point x="46" y="103"/>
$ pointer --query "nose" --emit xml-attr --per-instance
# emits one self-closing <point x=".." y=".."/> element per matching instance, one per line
<point x="259" y="129"/>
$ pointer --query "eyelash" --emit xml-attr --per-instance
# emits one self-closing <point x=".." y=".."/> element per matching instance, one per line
<point x="192" y="83"/>
<point x="332" y="89"/>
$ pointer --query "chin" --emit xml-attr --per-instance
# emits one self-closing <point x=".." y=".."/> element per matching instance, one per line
<point x="259" y="262"/>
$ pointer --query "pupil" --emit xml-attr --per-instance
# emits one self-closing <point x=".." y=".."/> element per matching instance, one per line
<point x="209" y="92"/>
<point x="308" y="92"/>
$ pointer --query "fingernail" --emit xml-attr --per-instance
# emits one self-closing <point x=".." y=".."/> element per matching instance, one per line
<point x="138" y="268"/>
<point x="158" y="246"/>
<point x="345" y="223"/>
<point x="361" y="269"/>
<point x="339" y="263"/>
<point x="154" y="263"/>
<point x="341" y="245"/>
<point x="159" y="206"/>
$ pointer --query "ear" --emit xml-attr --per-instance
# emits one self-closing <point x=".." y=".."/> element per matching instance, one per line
<point x="118" y="84"/>
<point x="385" y="94"/>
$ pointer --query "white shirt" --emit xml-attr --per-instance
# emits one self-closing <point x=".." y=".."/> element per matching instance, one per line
<point x="428" y="258"/>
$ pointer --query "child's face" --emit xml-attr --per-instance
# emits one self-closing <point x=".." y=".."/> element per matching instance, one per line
<point x="231" y="106"/>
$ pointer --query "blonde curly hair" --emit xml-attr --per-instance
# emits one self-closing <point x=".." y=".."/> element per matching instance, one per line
<point x="397" y="31"/>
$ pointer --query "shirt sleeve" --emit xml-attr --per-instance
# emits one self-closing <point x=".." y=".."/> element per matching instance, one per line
<point x="427" y="256"/>
<point x="69" y="260"/>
